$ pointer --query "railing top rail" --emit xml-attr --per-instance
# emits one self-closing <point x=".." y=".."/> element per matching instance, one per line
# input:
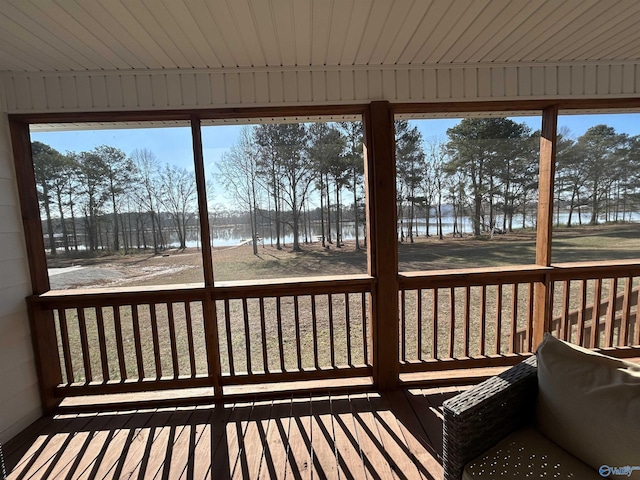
<point x="196" y="291"/>
<point x="598" y="269"/>
<point x="294" y="286"/>
<point x="473" y="276"/>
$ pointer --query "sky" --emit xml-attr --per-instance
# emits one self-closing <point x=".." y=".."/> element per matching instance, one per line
<point x="172" y="145"/>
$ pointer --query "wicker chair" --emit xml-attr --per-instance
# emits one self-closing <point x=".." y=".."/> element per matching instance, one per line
<point x="479" y="418"/>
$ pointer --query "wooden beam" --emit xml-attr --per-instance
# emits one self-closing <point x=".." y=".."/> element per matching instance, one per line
<point x="203" y="211"/>
<point x="382" y="242"/>
<point x="43" y="331"/>
<point x="209" y="303"/>
<point x="542" y="294"/>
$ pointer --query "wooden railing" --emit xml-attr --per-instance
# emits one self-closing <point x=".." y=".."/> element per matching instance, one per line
<point x="466" y="318"/>
<point x="484" y="317"/>
<point x="237" y="333"/>
<point x="127" y="340"/>
<point x="288" y="330"/>
<point x="595" y="304"/>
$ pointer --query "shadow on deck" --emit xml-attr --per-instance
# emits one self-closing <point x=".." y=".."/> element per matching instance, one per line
<point x="361" y="435"/>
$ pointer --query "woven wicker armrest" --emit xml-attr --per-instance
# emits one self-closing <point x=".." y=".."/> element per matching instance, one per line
<point x="479" y="418"/>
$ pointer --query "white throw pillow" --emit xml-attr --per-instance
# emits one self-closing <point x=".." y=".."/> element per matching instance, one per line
<point x="589" y="404"/>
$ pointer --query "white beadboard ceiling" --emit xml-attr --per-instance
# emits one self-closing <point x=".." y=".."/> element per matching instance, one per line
<point x="121" y="35"/>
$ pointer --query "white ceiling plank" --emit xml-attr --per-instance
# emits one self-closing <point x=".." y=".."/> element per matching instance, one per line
<point x="542" y="27"/>
<point x="320" y="31"/>
<point x="222" y="17"/>
<point x="170" y="32"/>
<point x="579" y="26"/>
<point x="340" y="16"/>
<point x="591" y="36"/>
<point x="393" y="26"/>
<point x="463" y="23"/>
<point x="618" y="47"/>
<point x="227" y="56"/>
<point x="412" y="21"/>
<point x="50" y="31"/>
<point x="357" y="23"/>
<point x="148" y="22"/>
<point x="245" y="23"/>
<point x="193" y="33"/>
<point x="148" y="44"/>
<point x="11" y="60"/>
<point x="15" y="34"/>
<point x="494" y="19"/>
<point x="263" y="12"/>
<point x="41" y="17"/>
<point x="88" y="27"/>
<point x="422" y="36"/>
<point x="376" y="35"/>
<point x="504" y="27"/>
<point x="302" y="31"/>
<point x="282" y="12"/>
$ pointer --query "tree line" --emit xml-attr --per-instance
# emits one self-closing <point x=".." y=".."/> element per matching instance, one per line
<point x="296" y="174"/>
<point x="104" y="199"/>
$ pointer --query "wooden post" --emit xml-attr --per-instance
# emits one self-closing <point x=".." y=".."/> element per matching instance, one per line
<point x="382" y="242"/>
<point x="43" y="332"/>
<point x="542" y="299"/>
<point x="209" y="302"/>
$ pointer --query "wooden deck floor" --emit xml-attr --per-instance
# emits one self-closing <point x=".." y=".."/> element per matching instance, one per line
<point x="396" y="435"/>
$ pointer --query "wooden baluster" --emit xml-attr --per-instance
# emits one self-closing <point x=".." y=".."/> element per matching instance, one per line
<point x="347" y="314"/>
<point x="467" y="321"/>
<point x="117" y="323"/>
<point x="636" y="326"/>
<point x="172" y="340"/>
<point x="365" y="321"/>
<point x="137" y="340"/>
<point x="84" y="341"/>
<point x="565" y="319"/>
<point x="434" y="324"/>
<point x="279" y="321"/>
<point x="263" y="332"/>
<point x="611" y="313"/>
<point x="247" y="334"/>
<point x="514" y="317"/>
<point x="66" y="349"/>
<point x="227" y="324"/>
<point x="595" y="315"/>
<point x="452" y="320"/>
<point x="296" y="319"/>
<point x="102" y="343"/>
<point x="331" y="333"/>
<point x="483" y="318"/>
<point x="626" y="313"/>
<point x="581" y="311"/>
<point x="498" y="338"/>
<point x="403" y="326"/>
<point x="192" y="350"/>
<point x="530" y="317"/>
<point x="419" y="323"/>
<point x="552" y="287"/>
<point x="314" y="326"/>
<point x="156" y="340"/>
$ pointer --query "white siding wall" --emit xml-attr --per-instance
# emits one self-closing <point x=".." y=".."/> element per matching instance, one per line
<point x="19" y="399"/>
<point x="166" y="89"/>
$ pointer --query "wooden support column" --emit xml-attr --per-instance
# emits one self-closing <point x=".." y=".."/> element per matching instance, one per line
<point x="382" y="242"/>
<point x="43" y="331"/>
<point x="209" y="302"/>
<point x="542" y="298"/>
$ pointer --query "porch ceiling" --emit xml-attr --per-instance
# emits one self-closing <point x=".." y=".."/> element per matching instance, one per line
<point x="77" y="35"/>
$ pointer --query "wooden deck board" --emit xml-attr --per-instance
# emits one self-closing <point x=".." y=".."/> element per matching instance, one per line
<point x="395" y="435"/>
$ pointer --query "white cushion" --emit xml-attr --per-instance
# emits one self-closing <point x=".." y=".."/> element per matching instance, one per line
<point x="589" y="404"/>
